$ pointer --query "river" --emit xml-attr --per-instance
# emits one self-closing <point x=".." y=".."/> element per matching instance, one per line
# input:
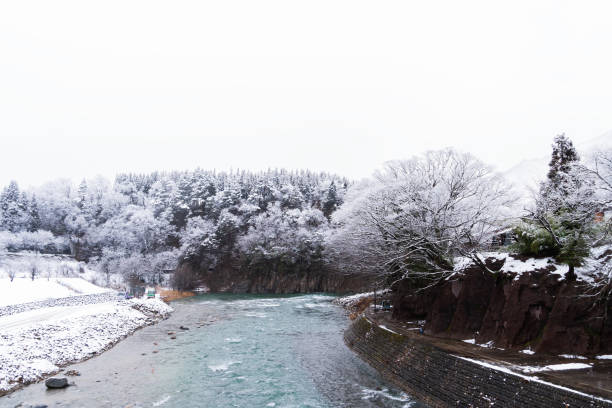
<point x="239" y="351"/>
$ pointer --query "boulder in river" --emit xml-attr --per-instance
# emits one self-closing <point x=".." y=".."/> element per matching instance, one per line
<point x="184" y="328"/>
<point x="56" y="382"/>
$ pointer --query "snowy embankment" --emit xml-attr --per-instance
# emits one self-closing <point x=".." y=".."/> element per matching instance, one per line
<point x="50" y="317"/>
<point x="36" y="343"/>
<point x="594" y="267"/>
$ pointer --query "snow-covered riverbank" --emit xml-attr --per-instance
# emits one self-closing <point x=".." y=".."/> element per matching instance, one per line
<point x="56" y="317"/>
<point x="36" y="343"/>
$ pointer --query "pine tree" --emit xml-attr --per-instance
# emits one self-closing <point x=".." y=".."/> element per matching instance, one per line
<point x="10" y="208"/>
<point x="563" y="156"/>
<point x="24" y="214"/>
<point x="34" y="215"/>
<point x="562" y="209"/>
<point x="331" y="201"/>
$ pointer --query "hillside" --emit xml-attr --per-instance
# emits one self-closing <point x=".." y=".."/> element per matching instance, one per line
<point x="54" y="277"/>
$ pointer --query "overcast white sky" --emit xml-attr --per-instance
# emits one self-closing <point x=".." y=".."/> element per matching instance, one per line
<point x="103" y="87"/>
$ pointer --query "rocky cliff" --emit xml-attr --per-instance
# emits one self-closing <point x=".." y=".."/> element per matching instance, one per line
<point x="536" y="309"/>
<point x="277" y="279"/>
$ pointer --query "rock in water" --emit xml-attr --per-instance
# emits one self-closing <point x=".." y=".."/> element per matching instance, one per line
<point x="184" y="328"/>
<point x="56" y="382"/>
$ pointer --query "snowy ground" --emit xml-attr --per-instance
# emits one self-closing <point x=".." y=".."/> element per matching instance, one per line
<point x="593" y="266"/>
<point x="36" y="343"/>
<point x="62" y="270"/>
<point x="24" y="290"/>
<point x="352" y="300"/>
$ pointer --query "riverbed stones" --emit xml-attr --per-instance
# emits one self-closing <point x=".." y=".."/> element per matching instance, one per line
<point x="56" y="382"/>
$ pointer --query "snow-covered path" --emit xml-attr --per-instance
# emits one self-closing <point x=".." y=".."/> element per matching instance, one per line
<point x="80" y="300"/>
<point x="48" y="315"/>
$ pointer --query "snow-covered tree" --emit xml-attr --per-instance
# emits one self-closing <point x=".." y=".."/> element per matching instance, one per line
<point x="35" y="222"/>
<point x="12" y="212"/>
<point x="418" y="214"/>
<point x="288" y="236"/>
<point x="562" y="220"/>
<point x="563" y="156"/>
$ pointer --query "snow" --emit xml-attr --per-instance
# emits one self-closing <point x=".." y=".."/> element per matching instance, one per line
<point x="516" y="266"/>
<point x="387" y="329"/>
<point x="24" y="290"/>
<point x="81" y="286"/>
<point x="529" y="378"/>
<point x="567" y="366"/>
<point x="604" y="357"/>
<point x="519" y="267"/>
<point x="461" y="262"/>
<point x="527" y="351"/>
<point x="572" y="356"/>
<point x="37" y="342"/>
<point x="348" y="301"/>
<point x="552" y="367"/>
<point x="488" y="344"/>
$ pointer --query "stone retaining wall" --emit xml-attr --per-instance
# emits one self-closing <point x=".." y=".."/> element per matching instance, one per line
<point x="443" y="380"/>
<point x="77" y="300"/>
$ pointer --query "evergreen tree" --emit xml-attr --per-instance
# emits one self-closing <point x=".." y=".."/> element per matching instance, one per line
<point x="563" y="215"/>
<point x="563" y="156"/>
<point x="24" y="213"/>
<point x="331" y="201"/>
<point x="34" y="215"/>
<point x="10" y="208"/>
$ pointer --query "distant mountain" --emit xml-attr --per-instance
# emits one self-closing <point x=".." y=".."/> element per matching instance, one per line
<point x="526" y="175"/>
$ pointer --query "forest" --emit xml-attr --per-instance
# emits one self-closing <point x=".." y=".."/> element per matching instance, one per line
<point x="417" y="218"/>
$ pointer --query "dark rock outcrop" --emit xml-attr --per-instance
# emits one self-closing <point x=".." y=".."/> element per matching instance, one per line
<point x="538" y="309"/>
<point x="277" y="279"/>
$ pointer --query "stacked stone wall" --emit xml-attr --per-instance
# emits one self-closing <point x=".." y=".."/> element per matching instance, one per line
<point x="443" y="380"/>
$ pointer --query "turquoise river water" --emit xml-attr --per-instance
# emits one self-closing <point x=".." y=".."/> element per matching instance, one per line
<point x="239" y="351"/>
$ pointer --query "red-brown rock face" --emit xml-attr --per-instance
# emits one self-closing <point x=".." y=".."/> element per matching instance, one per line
<point x="537" y="309"/>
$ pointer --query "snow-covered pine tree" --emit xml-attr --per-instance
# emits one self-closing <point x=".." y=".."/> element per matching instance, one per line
<point x="563" y="156"/>
<point x="34" y="215"/>
<point x="331" y="201"/>
<point x="10" y="209"/>
<point x="564" y="207"/>
<point x="24" y="213"/>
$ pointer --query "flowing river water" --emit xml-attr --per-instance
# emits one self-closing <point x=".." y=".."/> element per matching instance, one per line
<point x="239" y="351"/>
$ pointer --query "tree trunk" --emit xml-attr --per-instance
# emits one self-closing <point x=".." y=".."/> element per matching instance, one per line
<point x="570" y="275"/>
